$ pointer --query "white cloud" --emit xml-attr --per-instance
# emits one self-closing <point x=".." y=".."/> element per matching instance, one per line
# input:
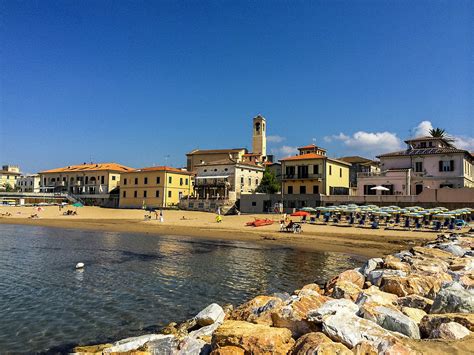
<point x="368" y="142"/>
<point x="463" y="142"/>
<point x="275" y="139"/>
<point x="285" y="151"/>
<point x="422" y="129"/>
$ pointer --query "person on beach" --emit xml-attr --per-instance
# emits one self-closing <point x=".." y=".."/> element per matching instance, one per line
<point x="161" y="216"/>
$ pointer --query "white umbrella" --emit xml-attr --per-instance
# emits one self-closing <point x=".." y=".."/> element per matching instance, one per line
<point x="379" y="188"/>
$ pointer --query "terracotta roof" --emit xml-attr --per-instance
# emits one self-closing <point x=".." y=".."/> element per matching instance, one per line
<point x="215" y="151"/>
<point x="424" y="151"/>
<point x="304" y="156"/>
<point x="90" y="167"/>
<point x="251" y="154"/>
<point x="311" y="146"/>
<point x="162" y="168"/>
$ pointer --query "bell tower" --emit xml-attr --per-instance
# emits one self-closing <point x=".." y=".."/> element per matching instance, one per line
<point x="259" y="136"/>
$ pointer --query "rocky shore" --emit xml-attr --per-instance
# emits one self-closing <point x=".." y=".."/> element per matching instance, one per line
<point x="417" y="301"/>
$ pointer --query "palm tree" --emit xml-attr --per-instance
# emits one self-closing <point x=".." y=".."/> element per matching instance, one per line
<point x="441" y="133"/>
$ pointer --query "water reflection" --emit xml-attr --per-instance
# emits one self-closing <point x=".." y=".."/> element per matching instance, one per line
<point x="132" y="282"/>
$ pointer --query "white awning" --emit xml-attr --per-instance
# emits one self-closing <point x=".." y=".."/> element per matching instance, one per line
<point x="212" y="177"/>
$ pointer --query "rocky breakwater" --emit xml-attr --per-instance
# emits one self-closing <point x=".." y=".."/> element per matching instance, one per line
<point x="418" y="301"/>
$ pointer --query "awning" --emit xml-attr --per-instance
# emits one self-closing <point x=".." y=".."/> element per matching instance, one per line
<point x="212" y="177"/>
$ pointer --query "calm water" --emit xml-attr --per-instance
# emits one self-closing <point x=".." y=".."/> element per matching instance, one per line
<point x="132" y="283"/>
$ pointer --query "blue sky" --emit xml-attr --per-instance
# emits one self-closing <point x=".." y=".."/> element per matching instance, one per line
<point x="144" y="82"/>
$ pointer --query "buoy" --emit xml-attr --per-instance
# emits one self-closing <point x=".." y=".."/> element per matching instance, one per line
<point x="79" y="265"/>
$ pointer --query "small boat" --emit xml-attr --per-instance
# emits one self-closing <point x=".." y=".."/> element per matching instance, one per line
<point x="260" y="222"/>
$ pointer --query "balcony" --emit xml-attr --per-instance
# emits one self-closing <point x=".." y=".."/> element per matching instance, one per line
<point x="301" y="176"/>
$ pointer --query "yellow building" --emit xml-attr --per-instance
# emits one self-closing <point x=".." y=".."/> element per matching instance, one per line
<point x="159" y="186"/>
<point x="83" y="179"/>
<point x="312" y="172"/>
<point x="9" y="174"/>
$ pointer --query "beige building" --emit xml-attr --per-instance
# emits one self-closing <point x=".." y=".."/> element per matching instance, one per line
<point x="8" y="176"/>
<point x="201" y="157"/>
<point x="427" y="163"/>
<point x="84" y="179"/>
<point x="154" y="187"/>
<point x="28" y="183"/>
<point x="312" y="172"/>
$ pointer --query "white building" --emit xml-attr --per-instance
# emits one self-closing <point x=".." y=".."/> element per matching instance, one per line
<point x="428" y="162"/>
<point x="226" y="180"/>
<point x="28" y="183"/>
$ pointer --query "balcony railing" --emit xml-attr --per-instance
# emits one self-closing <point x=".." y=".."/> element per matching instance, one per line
<point x="301" y="176"/>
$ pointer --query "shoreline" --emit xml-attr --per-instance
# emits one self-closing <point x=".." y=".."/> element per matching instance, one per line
<point x="354" y="241"/>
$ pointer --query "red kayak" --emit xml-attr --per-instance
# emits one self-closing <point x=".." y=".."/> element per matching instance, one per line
<point x="260" y="223"/>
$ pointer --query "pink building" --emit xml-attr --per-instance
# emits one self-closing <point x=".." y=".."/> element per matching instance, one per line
<point x="427" y="163"/>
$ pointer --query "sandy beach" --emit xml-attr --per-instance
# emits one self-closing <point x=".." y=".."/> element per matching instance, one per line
<point x="352" y="240"/>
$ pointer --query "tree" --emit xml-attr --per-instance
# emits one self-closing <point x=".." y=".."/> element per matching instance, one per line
<point x="269" y="183"/>
<point x="441" y="133"/>
<point x="9" y="188"/>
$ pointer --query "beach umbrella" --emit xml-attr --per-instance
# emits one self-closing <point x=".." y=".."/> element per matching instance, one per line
<point x="300" y="214"/>
<point x="78" y="204"/>
<point x="308" y="209"/>
<point x="380" y="188"/>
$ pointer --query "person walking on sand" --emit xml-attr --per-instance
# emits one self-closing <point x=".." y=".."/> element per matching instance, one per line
<point x="156" y="214"/>
<point x="161" y="216"/>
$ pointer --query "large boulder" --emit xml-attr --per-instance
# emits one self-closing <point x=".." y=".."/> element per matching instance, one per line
<point x="433" y="321"/>
<point x="293" y="314"/>
<point x="352" y="276"/>
<point x="373" y="294"/>
<point x="346" y="290"/>
<point x="432" y="253"/>
<point x="375" y="276"/>
<point x="309" y="343"/>
<point x="452" y="248"/>
<point x="190" y="346"/>
<point x="423" y="285"/>
<point x="415" y="301"/>
<point x="253" y="338"/>
<point x="371" y="265"/>
<point x="312" y="287"/>
<point x="450" y="331"/>
<point x="394" y="263"/>
<point x="351" y="330"/>
<point x="332" y="307"/>
<point x="228" y="350"/>
<point x="460" y="264"/>
<point x="258" y="310"/>
<point x="428" y="266"/>
<point x="414" y="313"/>
<point x="365" y="348"/>
<point x="453" y="298"/>
<point x="388" y="317"/>
<point x="209" y="315"/>
<point x="160" y="341"/>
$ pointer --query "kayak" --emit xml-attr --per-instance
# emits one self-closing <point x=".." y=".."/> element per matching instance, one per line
<point x="260" y="223"/>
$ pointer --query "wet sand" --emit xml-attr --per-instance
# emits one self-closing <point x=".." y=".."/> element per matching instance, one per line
<point x="351" y="240"/>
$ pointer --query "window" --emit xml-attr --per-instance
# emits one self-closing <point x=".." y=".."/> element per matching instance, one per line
<point x="135" y="193"/>
<point x="114" y="177"/>
<point x="102" y="179"/>
<point x="418" y="167"/>
<point x="145" y="181"/>
<point x="170" y="180"/>
<point x="136" y="181"/>
<point x="254" y="203"/>
<point x="242" y="180"/>
<point x="368" y="190"/>
<point x="290" y="171"/>
<point x="340" y="172"/>
<point x="330" y="170"/>
<point x="157" y="179"/>
<point x="302" y="189"/>
<point x="290" y="190"/>
<point x="316" y="169"/>
<point x="124" y="194"/>
<point x="226" y="169"/>
<point x="169" y="193"/>
<point x="315" y="189"/>
<point x="256" y="182"/>
<point x="125" y="181"/>
<point x="180" y="181"/>
<point x="157" y="193"/>
<point x="144" y="194"/>
<point x="205" y="170"/>
<point x="423" y="145"/>
<point x="446" y="165"/>
<point x="187" y="182"/>
<point x="250" y="181"/>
